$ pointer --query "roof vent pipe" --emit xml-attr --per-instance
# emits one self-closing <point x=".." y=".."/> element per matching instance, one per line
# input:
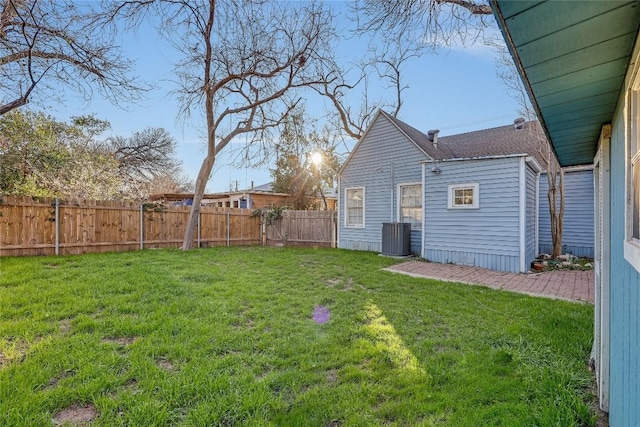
<point x="432" y="136"/>
<point x="518" y="123"/>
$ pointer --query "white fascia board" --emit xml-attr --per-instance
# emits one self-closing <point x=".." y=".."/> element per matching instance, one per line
<point x="458" y="159"/>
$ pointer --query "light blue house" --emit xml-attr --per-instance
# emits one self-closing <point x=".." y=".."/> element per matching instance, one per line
<point x="577" y="233"/>
<point x="580" y="63"/>
<point x="471" y="199"/>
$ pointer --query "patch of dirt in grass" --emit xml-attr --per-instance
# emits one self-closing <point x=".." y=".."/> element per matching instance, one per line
<point x="165" y="364"/>
<point x="53" y="382"/>
<point x="98" y="313"/>
<point x="344" y="285"/>
<point x="333" y="282"/>
<point x="334" y="423"/>
<point x="132" y="385"/>
<point x="1" y="359"/>
<point x="122" y="341"/>
<point x="264" y="374"/>
<point x="248" y="324"/>
<point x="65" y="326"/>
<point x="76" y="415"/>
<point x="332" y="376"/>
<point x="439" y="348"/>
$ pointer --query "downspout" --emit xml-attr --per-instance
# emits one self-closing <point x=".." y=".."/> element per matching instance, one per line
<point x="392" y="191"/>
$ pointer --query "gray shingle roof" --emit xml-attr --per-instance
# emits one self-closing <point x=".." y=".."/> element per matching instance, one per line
<point x="499" y="141"/>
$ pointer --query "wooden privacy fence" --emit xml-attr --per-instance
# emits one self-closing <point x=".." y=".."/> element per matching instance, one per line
<point x="302" y="228"/>
<point x="44" y="226"/>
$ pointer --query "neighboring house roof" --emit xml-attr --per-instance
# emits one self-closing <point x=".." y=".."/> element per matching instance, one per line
<point x="499" y="141"/>
<point x="263" y="187"/>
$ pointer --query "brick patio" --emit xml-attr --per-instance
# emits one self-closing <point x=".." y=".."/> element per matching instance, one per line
<point x="571" y="285"/>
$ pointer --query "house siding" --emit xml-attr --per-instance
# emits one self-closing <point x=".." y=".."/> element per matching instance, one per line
<point x="578" y="226"/>
<point x="530" y="218"/>
<point x="384" y="158"/>
<point x="624" y="361"/>
<point x="490" y="234"/>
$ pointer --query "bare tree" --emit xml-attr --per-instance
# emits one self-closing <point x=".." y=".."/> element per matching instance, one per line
<point x="386" y="62"/>
<point x="146" y="163"/>
<point x="399" y="30"/>
<point x="45" y="44"/>
<point x="426" y="23"/>
<point x="242" y="66"/>
<point x="144" y="155"/>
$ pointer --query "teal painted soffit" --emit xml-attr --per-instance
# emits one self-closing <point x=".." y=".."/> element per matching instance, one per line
<point x="572" y="57"/>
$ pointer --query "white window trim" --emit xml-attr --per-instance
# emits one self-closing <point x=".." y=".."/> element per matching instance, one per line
<point x="399" y="201"/>
<point x="631" y="245"/>
<point x="346" y="212"/>
<point x="476" y="195"/>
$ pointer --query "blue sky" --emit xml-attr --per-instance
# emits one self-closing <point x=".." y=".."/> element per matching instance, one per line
<point x="455" y="91"/>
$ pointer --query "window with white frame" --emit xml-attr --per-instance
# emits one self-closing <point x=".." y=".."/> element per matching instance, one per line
<point x="410" y="204"/>
<point x="464" y="196"/>
<point x="634" y="157"/>
<point x="632" y="240"/>
<point x="354" y="207"/>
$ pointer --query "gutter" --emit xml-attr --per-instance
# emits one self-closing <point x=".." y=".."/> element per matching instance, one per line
<point x="502" y="156"/>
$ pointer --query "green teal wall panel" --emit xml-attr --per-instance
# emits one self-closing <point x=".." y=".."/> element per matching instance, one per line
<point x="624" y="409"/>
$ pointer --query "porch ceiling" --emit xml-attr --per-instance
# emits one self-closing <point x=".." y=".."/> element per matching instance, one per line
<point x="573" y="57"/>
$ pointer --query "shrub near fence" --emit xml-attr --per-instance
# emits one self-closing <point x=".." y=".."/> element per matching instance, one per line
<point x="44" y="226"/>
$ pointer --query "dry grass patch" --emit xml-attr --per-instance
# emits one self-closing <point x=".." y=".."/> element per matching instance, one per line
<point x="165" y="364"/>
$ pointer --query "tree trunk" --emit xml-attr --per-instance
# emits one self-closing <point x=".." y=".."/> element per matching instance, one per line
<point x="198" y="194"/>
<point x="324" y="199"/>
<point x="555" y="195"/>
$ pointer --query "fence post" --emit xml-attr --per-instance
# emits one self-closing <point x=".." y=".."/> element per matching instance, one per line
<point x="141" y="226"/>
<point x="228" y="228"/>
<point x="199" y="213"/>
<point x="263" y="228"/>
<point x="334" y="231"/>
<point x="57" y="222"/>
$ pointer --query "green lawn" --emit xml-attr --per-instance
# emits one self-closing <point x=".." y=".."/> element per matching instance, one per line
<point x="226" y="337"/>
